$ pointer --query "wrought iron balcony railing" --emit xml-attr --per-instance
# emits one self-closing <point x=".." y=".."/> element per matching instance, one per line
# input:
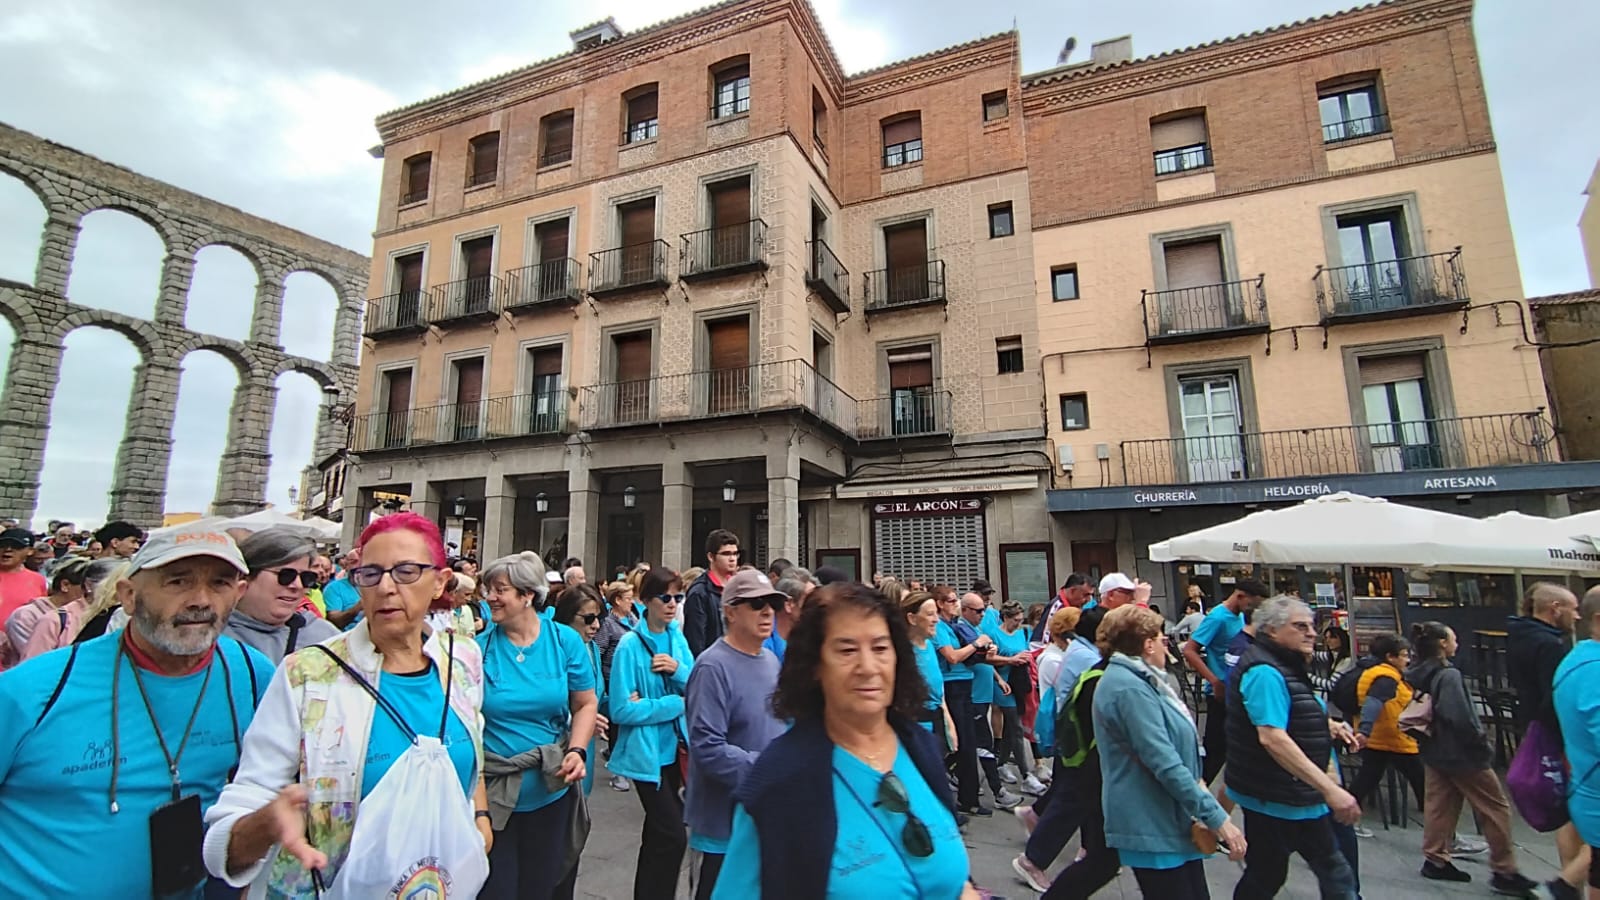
<point x="1411" y="285"/>
<point x="919" y="412"/>
<point x="467" y="298"/>
<point x="550" y="283"/>
<point x="1182" y="159"/>
<point x="492" y="418"/>
<point x="827" y="276"/>
<point x="1350" y="129"/>
<point x="1453" y="443"/>
<point x="763" y="387"/>
<point x="626" y="268"/>
<point x="1212" y="310"/>
<point x="397" y="313"/>
<point x="724" y="250"/>
<point x="900" y="286"/>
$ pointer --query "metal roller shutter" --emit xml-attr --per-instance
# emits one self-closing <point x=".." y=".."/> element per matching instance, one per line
<point x="933" y="549"/>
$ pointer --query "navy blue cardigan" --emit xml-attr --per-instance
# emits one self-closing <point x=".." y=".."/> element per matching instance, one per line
<point x="789" y="797"/>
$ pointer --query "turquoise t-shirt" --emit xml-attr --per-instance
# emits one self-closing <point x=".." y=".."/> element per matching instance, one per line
<point x="1011" y="644"/>
<point x="600" y="695"/>
<point x="776" y="644"/>
<point x="419" y="698"/>
<point x="57" y="835"/>
<point x="1266" y="701"/>
<point x="928" y="665"/>
<point x="1215" y="631"/>
<point x="869" y="859"/>
<point x="526" y="702"/>
<point x="945" y="636"/>
<point x="340" y="594"/>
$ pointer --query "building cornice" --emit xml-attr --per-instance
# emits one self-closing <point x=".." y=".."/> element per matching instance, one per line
<point x="1056" y="91"/>
<point x="933" y="67"/>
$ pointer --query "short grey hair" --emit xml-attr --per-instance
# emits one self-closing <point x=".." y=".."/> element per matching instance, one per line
<point x="1276" y="612"/>
<point x="792" y="583"/>
<point x="101" y="569"/>
<point x="274" y="547"/>
<point x="524" y="571"/>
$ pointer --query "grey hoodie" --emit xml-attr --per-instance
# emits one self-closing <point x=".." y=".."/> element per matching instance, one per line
<point x="1459" y="743"/>
<point x="272" y="640"/>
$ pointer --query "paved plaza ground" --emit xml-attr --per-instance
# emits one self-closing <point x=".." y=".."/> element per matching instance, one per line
<point x="1389" y="860"/>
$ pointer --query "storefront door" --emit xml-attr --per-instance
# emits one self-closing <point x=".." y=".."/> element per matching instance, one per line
<point x="1095" y="559"/>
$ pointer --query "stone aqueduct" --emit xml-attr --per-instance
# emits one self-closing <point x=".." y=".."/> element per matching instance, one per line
<point x="70" y="185"/>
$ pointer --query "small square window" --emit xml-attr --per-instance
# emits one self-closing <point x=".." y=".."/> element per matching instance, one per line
<point x="1000" y="223"/>
<point x="1008" y="354"/>
<point x="995" y="106"/>
<point x="1064" y="283"/>
<point x="1074" y="412"/>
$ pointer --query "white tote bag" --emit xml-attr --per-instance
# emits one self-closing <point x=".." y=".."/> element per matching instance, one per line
<point x="415" y="836"/>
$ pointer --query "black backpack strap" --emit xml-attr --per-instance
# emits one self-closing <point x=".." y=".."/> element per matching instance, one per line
<point x="55" y="695"/>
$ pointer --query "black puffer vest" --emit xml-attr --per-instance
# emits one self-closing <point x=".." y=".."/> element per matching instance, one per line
<point x="1251" y="769"/>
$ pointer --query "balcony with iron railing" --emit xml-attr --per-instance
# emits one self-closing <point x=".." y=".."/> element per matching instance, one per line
<point x="725" y="250"/>
<point x="628" y="268"/>
<point x="745" y="390"/>
<point x="1183" y="159"/>
<point x="903" y="287"/>
<point x="403" y="312"/>
<point x="478" y="297"/>
<point x="1383" y="289"/>
<point x="913" y="413"/>
<point x="1205" y="312"/>
<point x="827" y="276"/>
<point x="1445" y="443"/>
<point x="1353" y="129"/>
<point x="519" y="415"/>
<point x="552" y="283"/>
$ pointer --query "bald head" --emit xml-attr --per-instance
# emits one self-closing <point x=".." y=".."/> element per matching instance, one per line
<point x="974" y="597"/>
<point x="1552" y="604"/>
<point x="1589" y="615"/>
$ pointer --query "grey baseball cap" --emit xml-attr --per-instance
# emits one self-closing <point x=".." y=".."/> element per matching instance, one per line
<point x="183" y="543"/>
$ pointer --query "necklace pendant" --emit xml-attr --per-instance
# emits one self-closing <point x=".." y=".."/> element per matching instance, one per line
<point x="520" y="657"/>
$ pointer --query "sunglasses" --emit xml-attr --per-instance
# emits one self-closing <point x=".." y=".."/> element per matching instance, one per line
<point x="404" y="573"/>
<point x="759" y="603"/>
<point x="892" y="796"/>
<point x="670" y="598"/>
<point x="588" y="618"/>
<point x="287" y="577"/>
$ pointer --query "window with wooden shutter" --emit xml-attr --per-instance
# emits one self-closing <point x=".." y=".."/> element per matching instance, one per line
<point x="551" y="240"/>
<point x="1180" y="143"/>
<point x="406" y="304"/>
<point x="913" y="405"/>
<point x="730" y="241"/>
<point x="638" y="222"/>
<point x="632" y="402"/>
<point x="906" y="257"/>
<point x="417" y="169"/>
<point x="485" y="158"/>
<point x="730" y="92"/>
<point x="902" y="140"/>
<point x="819" y="120"/>
<point x="556" y="138"/>
<point x="469" y="394"/>
<point x="395" y="429"/>
<point x="728" y="382"/>
<point x="643" y="107"/>
<point x="549" y="405"/>
<point x="477" y="257"/>
<point x="1193" y="264"/>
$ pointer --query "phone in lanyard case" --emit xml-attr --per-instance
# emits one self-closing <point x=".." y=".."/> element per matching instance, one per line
<point x="176" y="833"/>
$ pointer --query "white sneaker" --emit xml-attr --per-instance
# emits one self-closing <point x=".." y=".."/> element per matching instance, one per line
<point x="620" y="784"/>
<point x="1007" y="799"/>
<point x="1008" y="774"/>
<point x="1467" y="846"/>
<point x="1362" y="831"/>
<point x="1042" y="772"/>
<point x="1032" y="785"/>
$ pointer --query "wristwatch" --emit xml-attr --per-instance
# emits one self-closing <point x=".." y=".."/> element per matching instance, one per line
<point x="583" y="753"/>
<point x="481" y="814"/>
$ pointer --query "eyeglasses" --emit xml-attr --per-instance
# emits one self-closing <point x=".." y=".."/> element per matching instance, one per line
<point x="588" y="618"/>
<point x="915" y="836"/>
<point x="670" y="598"/>
<point x="287" y="577"/>
<point x="758" y="603"/>
<point x="1305" y="627"/>
<point x="404" y="573"/>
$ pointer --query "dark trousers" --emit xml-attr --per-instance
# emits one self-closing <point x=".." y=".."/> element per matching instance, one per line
<point x="985" y="737"/>
<point x="664" y="839"/>
<point x="1099" y="865"/>
<point x="1186" y="882"/>
<point x="1046" y="800"/>
<point x="1350" y="848"/>
<point x="710" y="868"/>
<point x="1216" y="739"/>
<point x="1271" y="841"/>
<point x="1073" y="798"/>
<point x="1011" y="740"/>
<point x="525" y="861"/>
<point x="958" y="699"/>
<point x="1375" y="762"/>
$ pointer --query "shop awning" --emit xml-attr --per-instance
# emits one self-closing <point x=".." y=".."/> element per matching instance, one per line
<point x="1352" y="529"/>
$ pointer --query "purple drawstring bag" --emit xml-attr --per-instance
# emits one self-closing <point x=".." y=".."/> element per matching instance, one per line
<point x="1537" y="779"/>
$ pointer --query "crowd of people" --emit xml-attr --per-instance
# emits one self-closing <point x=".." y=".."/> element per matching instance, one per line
<point x="201" y="713"/>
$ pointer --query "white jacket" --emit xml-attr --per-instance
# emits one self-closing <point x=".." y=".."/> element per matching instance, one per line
<point x="312" y="728"/>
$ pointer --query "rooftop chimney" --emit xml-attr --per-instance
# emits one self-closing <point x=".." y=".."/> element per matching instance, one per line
<point x="592" y="36"/>
<point x="1104" y="53"/>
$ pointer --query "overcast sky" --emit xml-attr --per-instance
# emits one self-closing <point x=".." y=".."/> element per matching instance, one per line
<point x="269" y="107"/>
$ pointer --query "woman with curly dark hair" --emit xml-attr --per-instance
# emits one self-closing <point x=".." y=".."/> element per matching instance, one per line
<point x="854" y="800"/>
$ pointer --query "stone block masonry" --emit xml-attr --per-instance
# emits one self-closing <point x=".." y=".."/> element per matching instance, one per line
<point x="70" y="185"/>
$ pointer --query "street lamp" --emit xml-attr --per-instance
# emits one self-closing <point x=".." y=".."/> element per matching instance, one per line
<point x="541" y="503"/>
<point x="629" y="497"/>
<point x="460" y="506"/>
<point x="294" y="495"/>
<point x="729" y="491"/>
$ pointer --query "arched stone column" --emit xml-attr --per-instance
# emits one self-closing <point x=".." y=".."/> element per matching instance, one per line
<point x="177" y="274"/>
<point x="56" y="247"/>
<point x="242" y="479"/>
<point x="268" y="320"/>
<point x="347" y="331"/>
<point x="30" y="387"/>
<point x="139" y="483"/>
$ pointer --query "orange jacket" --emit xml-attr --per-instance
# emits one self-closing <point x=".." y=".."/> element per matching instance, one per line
<point x="1386" y="733"/>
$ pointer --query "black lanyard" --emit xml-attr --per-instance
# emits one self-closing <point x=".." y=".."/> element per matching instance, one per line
<point x="172" y="759"/>
<point x="384" y="702"/>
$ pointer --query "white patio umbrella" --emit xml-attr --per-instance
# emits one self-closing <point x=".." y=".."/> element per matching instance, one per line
<point x="261" y="520"/>
<point x="1337" y="528"/>
<point x="1514" y="540"/>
